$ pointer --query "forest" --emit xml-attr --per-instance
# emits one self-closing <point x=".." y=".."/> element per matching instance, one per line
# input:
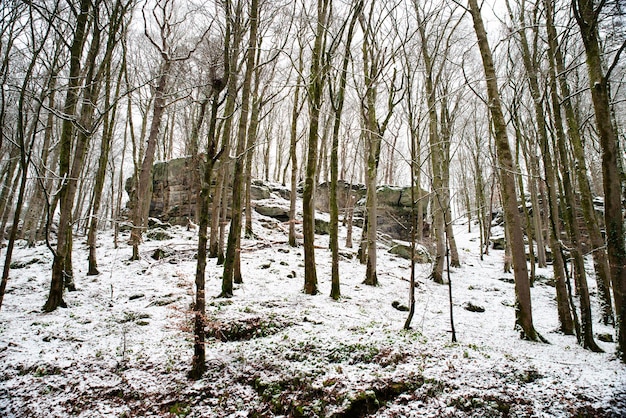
<point x="313" y="208"/>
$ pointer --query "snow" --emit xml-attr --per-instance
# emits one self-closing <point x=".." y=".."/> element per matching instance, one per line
<point x="124" y="344"/>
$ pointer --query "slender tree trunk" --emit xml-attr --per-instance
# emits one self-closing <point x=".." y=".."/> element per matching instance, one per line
<point x="198" y="365"/>
<point x="523" y="311"/>
<point x="250" y="149"/>
<point x="550" y="177"/>
<point x="103" y="161"/>
<point x="450" y="242"/>
<point x="520" y="183"/>
<point x="315" y="95"/>
<point x="234" y="235"/>
<point x="586" y="14"/>
<point x="8" y="188"/>
<point x="439" y="204"/>
<point x="68" y="185"/>
<point x="144" y="185"/>
<point x="36" y="213"/>
<point x="601" y="265"/>
<point x="337" y="105"/>
<point x="220" y="197"/>
<point x="293" y="133"/>
<point x="25" y="152"/>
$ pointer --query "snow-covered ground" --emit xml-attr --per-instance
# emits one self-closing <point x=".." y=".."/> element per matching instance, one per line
<point x="123" y="345"/>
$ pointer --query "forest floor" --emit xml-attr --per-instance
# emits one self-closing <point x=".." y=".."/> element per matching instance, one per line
<point x="123" y="346"/>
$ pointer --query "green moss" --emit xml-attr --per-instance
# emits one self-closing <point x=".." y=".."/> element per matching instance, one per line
<point x="180" y="409"/>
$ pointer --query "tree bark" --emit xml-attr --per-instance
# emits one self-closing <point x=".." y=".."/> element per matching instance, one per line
<point x="523" y="311"/>
<point x="601" y="265"/>
<point x="68" y="185"/>
<point x="550" y="178"/>
<point x="234" y="235"/>
<point x="317" y="78"/>
<point x="586" y="14"/>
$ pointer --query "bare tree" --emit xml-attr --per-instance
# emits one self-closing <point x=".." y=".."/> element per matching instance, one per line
<point x="115" y="22"/>
<point x="315" y="90"/>
<point x="557" y="71"/>
<point x="60" y="271"/>
<point x="198" y="366"/>
<point x="337" y="95"/>
<point x="26" y="128"/>
<point x="532" y="75"/>
<point x="168" y="26"/>
<point x="376" y="60"/>
<point x="587" y="14"/>
<point x="523" y="312"/>
<point x="234" y="235"/>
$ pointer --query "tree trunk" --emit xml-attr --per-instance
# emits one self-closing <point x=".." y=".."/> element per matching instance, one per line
<point x="439" y="203"/>
<point x="587" y="17"/>
<point x="36" y="208"/>
<point x="550" y="178"/>
<point x="144" y="185"/>
<point x="337" y="105"/>
<point x="68" y="185"/>
<point x="601" y="265"/>
<point x="103" y="161"/>
<point x="220" y="197"/>
<point x="250" y="149"/>
<point x="234" y="235"/>
<point x="523" y="311"/>
<point x="293" y="133"/>
<point x="315" y="95"/>
<point x="198" y="366"/>
<point x="25" y="153"/>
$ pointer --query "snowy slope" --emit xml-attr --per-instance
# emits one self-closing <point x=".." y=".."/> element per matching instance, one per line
<point x="124" y="344"/>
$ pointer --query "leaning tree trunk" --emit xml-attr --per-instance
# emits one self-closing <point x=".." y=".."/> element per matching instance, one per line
<point x="601" y="264"/>
<point x="68" y="185"/>
<point x="523" y="311"/>
<point x="587" y="17"/>
<point x="144" y="182"/>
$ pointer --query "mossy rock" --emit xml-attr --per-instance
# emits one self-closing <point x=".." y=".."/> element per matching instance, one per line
<point x="158" y="235"/>
<point x="403" y="249"/>
<point x="322" y="227"/>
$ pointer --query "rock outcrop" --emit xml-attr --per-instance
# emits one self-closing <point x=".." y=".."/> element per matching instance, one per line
<point x="173" y="195"/>
<point x="174" y="199"/>
<point x="394" y="206"/>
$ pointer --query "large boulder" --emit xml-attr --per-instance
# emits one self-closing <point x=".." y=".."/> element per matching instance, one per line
<point x="259" y="191"/>
<point x="403" y="249"/>
<point x="273" y="208"/>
